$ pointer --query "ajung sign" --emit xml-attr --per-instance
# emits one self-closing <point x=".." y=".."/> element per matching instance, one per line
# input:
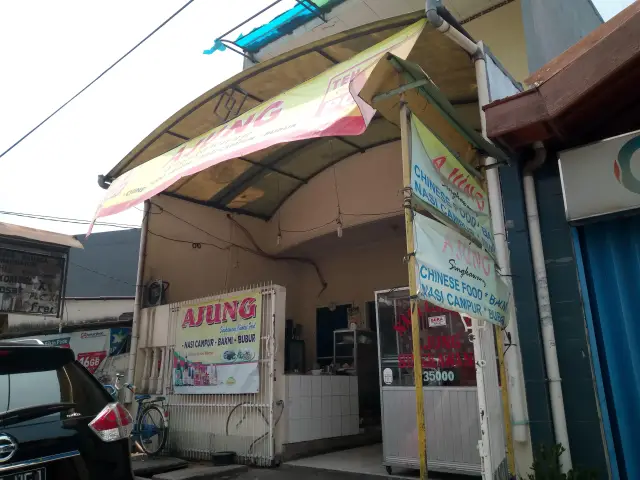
<point x="455" y="274"/>
<point x="602" y="178"/>
<point x="30" y="282"/>
<point x="218" y="346"/>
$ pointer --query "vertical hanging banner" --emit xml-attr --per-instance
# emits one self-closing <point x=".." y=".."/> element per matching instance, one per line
<point x="218" y="346"/>
<point x="455" y="274"/>
<point x="444" y="186"/>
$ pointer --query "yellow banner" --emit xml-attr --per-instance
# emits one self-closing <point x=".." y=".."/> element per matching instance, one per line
<point x="326" y="105"/>
<point x="218" y="346"/>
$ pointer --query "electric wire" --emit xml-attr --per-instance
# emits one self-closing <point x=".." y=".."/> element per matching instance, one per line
<point x="155" y="30"/>
<point x="76" y="221"/>
<point x="194" y="244"/>
<point x="101" y="274"/>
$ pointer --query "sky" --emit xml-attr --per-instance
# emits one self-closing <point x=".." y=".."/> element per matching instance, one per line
<point x="51" y="50"/>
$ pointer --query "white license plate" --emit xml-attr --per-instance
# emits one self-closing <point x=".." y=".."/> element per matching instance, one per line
<point x="37" y="474"/>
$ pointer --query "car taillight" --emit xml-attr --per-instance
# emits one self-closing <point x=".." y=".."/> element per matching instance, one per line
<point x="113" y="423"/>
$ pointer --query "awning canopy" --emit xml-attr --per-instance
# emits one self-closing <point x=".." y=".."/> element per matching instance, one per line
<point x="257" y="184"/>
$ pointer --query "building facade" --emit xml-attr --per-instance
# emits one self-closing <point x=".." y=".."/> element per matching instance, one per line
<point x="323" y="217"/>
<point x="588" y="228"/>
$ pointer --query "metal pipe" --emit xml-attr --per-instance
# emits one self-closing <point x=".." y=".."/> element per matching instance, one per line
<point x="137" y="304"/>
<point x="153" y="377"/>
<point x="512" y="359"/>
<point x="405" y="129"/>
<point x="431" y="9"/>
<point x="544" y="307"/>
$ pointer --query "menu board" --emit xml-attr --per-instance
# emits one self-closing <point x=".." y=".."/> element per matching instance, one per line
<point x="30" y="283"/>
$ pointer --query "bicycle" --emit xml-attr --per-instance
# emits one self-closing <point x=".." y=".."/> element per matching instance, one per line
<point x="146" y="429"/>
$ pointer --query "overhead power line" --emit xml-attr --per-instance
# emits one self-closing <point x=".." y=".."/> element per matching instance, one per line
<point x="97" y="78"/>
<point x="76" y="221"/>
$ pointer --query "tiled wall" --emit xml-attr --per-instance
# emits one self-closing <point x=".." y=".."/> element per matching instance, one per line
<point x="321" y="406"/>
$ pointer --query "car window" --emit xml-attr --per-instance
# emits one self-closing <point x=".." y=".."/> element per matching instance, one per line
<point x="66" y="383"/>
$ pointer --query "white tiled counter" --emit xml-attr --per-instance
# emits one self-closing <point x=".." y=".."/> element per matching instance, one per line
<point x="321" y="406"/>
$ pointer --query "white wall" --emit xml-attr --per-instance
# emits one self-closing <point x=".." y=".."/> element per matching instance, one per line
<point x="501" y="29"/>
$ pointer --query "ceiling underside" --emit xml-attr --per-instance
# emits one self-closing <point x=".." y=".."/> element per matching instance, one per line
<point x="259" y="183"/>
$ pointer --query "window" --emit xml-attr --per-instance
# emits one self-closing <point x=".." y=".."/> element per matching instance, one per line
<point x="445" y="347"/>
<point x="327" y="321"/>
<point x="39" y="380"/>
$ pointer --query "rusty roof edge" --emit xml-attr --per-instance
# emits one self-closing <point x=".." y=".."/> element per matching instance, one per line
<point x="502" y="118"/>
<point x="541" y="103"/>
<point x="381" y="25"/>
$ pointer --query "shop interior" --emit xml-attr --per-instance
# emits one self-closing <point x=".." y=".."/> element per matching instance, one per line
<point x="340" y="336"/>
<point x="349" y="365"/>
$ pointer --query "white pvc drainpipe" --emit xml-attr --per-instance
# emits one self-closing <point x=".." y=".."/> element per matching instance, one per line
<point x="512" y="358"/>
<point x="544" y="307"/>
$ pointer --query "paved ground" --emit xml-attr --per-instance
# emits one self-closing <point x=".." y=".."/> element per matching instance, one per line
<point x="298" y="473"/>
<point x="366" y="461"/>
<point x="289" y="473"/>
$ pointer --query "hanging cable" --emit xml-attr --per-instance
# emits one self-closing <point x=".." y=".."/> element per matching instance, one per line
<point x="49" y="218"/>
<point x="155" y="30"/>
<point x="102" y="274"/>
<point x="335" y="181"/>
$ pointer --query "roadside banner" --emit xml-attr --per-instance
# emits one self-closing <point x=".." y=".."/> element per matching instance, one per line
<point x="218" y="346"/>
<point x="91" y="347"/>
<point x="455" y="274"/>
<point x="326" y="105"/>
<point x="445" y="187"/>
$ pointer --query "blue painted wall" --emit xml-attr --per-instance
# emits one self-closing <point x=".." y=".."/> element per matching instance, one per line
<point x="578" y="387"/>
<point x="552" y="26"/>
<point x="583" y="423"/>
<point x="106" y="267"/>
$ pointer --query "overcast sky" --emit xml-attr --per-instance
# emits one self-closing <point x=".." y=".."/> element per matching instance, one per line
<point x="53" y="49"/>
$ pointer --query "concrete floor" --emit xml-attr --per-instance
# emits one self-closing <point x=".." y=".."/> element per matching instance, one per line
<point x="363" y="460"/>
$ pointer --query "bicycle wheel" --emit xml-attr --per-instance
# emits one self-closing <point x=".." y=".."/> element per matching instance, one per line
<point x="152" y="430"/>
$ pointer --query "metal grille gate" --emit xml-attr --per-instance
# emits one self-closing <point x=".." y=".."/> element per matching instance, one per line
<point x="492" y="446"/>
<point x="242" y="423"/>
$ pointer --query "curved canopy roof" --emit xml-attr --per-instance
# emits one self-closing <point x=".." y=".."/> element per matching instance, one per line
<point x="258" y="184"/>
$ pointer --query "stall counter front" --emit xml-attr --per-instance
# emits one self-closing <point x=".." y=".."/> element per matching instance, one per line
<point x="321" y="407"/>
<point x="449" y="379"/>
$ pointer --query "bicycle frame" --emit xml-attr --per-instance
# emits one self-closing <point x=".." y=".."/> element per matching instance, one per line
<point x="146" y="431"/>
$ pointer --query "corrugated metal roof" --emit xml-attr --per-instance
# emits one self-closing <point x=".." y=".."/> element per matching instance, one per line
<point x="106" y="267"/>
<point x="26" y="233"/>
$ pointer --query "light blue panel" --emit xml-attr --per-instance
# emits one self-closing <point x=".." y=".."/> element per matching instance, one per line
<point x="595" y="357"/>
<point x="612" y="261"/>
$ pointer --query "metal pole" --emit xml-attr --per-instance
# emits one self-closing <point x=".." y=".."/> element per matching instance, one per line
<point x="137" y="305"/>
<point x="506" y="408"/>
<point x="413" y="287"/>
